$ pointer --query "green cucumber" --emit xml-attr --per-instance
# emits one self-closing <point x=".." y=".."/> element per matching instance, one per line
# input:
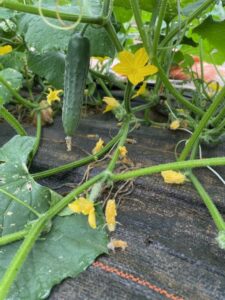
<point x="76" y="71"/>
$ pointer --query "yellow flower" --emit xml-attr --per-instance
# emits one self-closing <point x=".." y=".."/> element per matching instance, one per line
<point x="111" y="102"/>
<point x="110" y="214"/>
<point x="5" y="49"/>
<point x="134" y="66"/>
<point x="173" y="177"/>
<point x="123" y="151"/>
<point x="92" y="219"/>
<point x="213" y="87"/>
<point x="141" y="90"/>
<point x="85" y="207"/>
<point x="98" y="146"/>
<point x="53" y="95"/>
<point x="175" y="125"/>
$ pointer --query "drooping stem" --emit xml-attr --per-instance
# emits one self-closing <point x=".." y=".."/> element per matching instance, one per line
<point x="202" y="124"/>
<point x="13" y="122"/>
<point x="13" y="237"/>
<point x="215" y="214"/>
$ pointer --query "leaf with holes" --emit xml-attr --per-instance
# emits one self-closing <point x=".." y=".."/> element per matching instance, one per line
<point x="16" y="181"/>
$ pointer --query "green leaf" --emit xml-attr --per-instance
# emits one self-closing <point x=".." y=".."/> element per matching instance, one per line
<point x="122" y="14"/>
<point x="16" y="180"/>
<point x="67" y="250"/>
<point x="41" y="38"/>
<point x="14" y="60"/>
<point x="213" y="32"/>
<point x="49" y="65"/>
<point x="6" y="13"/>
<point x="14" y="78"/>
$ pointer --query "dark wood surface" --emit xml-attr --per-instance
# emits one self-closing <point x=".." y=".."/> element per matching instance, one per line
<point x="171" y="237"/>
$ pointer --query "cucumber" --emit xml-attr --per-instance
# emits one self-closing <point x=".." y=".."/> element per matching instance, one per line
<point x="76" y="71"/>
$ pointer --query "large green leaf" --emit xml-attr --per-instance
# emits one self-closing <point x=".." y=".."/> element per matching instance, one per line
<point x="15" y="60"/>
<point x="41" y="37"/>
<point x="14" y="78"/>
<point x="16" y="180"/>
<point x="213" y="32"/>
<point x="67" y="250"/>
<point x="49" y="65"/>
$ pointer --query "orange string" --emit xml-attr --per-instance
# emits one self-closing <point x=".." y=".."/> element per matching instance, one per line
<point x="135" y="279"/>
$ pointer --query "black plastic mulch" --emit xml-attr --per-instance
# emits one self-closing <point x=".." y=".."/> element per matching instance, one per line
<point x="172" y="253"/>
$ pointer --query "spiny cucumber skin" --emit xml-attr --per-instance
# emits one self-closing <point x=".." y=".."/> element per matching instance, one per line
<point x="76" y="70"/>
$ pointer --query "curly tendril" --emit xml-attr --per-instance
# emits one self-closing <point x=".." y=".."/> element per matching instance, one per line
<point x="64" y="25"/>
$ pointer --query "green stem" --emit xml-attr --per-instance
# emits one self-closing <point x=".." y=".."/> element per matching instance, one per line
<point x="13" y="237"/>
<point x="174" y="92"/>
<point x="38" y="136"/>
<point x="162" y="11"/>
<point x="104" y="87"/>
<point x="137" y="15"/>
<point x="202" y="124"/>
<point x="219" y="117"/>
<point x="34" y="233"/>
<point x="13" y="122"/>
<point x="196" y="163"/>
<point x="109" y="79"/>
<point x="215" y="214"/>
<point x="79" y="163"/>
<point x="127" y="96"/>
<point x="197" y="12"/>
<point x="113" y="36"/>
<point x="116" y="153"/>
<point x="14" y="198"/>
<point x="142" y="107"/>
<point x="16" y="95"/>
<point x="98" y="20"/>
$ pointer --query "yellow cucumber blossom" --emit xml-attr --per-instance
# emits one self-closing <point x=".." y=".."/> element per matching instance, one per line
<point x="98" y="146"/>
<point x="110" y="214"/>
<point x="123" y="151"/>
<point x="53" y="95"/>
<point x="111" y="102"/>
<point x="173" y="177"/>
<point x="141" y="90"/>
<point x="86" y="207"/>
<point x="5" y="49"/>
<point x="134" y="66"/>
<point x="175" y="125"/>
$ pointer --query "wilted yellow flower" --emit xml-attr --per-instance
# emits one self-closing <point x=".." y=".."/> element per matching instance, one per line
<point x="92" y="219"/>
<point x="110" y="214"/>
<point x="175" y="125"/>
<point x="98" y="146"/>
<point x="113" y="244"/>
<point x="134" y="66"/>
<point x="123" y="151"/>
<point x="53" y="95"/>
<point x="5" y="49"/>
<point x="141" y="90"/>
<point x="111" y="102"/>
<point x="173" y="177"/>
<point x="86" y="207"/>
<point x="213" y="87"/>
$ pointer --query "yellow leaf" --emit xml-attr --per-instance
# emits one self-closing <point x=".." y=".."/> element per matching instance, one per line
<point x="173" y="177"/>
<point x="110" y="214"/>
